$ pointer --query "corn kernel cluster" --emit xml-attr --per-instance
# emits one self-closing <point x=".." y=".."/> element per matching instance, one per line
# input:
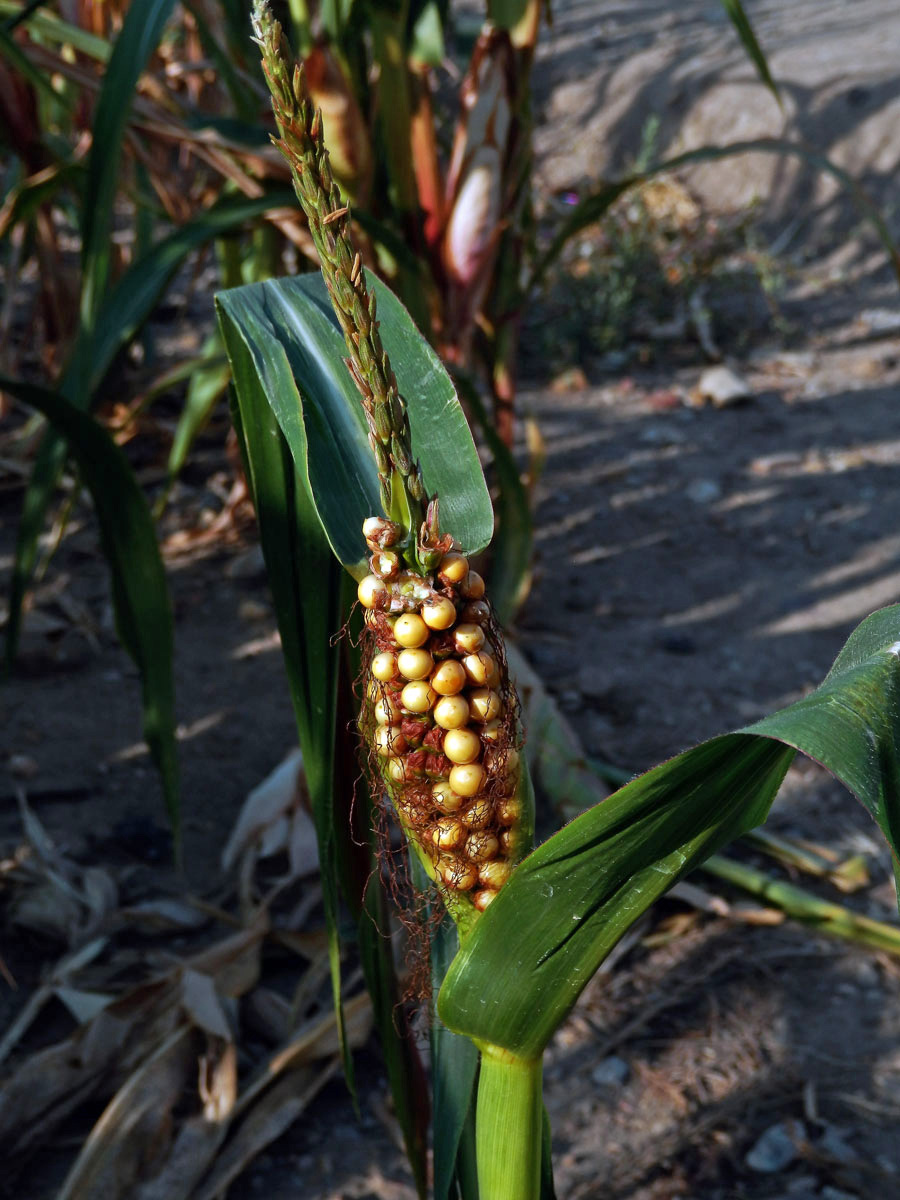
<point x="440" y="715"/>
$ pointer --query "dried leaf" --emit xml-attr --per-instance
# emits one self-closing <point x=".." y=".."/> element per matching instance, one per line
<point x="202" y="1005"/>
<point x="134" y="1126"/>
<point x="199" y="1137"/>
<point x="265" y="813"/>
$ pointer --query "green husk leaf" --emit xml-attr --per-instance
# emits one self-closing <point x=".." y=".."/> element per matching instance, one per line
<point x="140" y="592"/>
<point x="297" y="348"/>
<point x="567" y="905"/>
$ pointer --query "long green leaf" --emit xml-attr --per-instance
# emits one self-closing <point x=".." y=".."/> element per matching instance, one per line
<point x="744" y="29"/>
<point x="140" y="593"/>
<point x="573" y="898"/>
<point x="138" y="39"/>
<point x="297" y="347"/>
<point x="121" y="315"/>
<point x="307" y="585"/>
<point x="595" y="205"/>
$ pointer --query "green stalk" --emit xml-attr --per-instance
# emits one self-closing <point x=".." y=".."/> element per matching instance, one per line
<point x="509" y="1119"/>
<point x="823" y="915"/>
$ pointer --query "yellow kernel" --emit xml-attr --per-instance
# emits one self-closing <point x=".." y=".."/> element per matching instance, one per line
<point x="491" y="730"/>
<point x="509" y="810"/>
<point x="457" y="873"/>
<point x="369" y="590"/>
<point x="439" y="613"/>
<point x="493" y="674"/>
<point x="483" y="898"/>
<point x="473" y="586"/>
<point x="396" y="769"/>
<point x="478" y="667"/>
<point x="445" y="798"/>
<point x="468" y="638"/>
<point x="384" y="666"/>
<point x="481" y="846"/>
<point x="495" y="873"/>
<point x="454" y="567"/>
<point x="386" y="711"/>
<point x="448" y="833"/>
<point x="389" y="740"/>
<point x="462" y="746"/>
<point x="417" y="696"/>
<point x="508" y="841"/>
<point x="485" y="704"/>
<point x="410" y="630"/>
<point x="451" y="712"/>
<point x="501" y="760"/>
<point x="466" y="779"/>
<point x="478" y="815"/>
<point x="449" y="678"/>
<point x="415" y="664"/>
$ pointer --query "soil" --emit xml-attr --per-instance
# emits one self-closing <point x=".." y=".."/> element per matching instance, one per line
<point x="695" y="568"/>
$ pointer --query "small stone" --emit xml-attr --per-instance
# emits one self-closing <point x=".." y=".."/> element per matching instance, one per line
<point x="776" y="1148"/>
<point x="612" y="1072"/>
<point x="22" y="767"/>
<point x="721" y="387"/>
<point x="703" y="491"/>
<point x="253" y="610"/>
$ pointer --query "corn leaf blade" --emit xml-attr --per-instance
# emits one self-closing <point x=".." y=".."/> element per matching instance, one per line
<point x="141" y="31"/>
<point x="571" y="900"/>
<point x="297" y="350"/>
<point x="140" y="592"/>
<point x="741" y="22"/>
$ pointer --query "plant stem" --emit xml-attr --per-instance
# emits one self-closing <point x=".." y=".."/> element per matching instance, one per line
<point x="823" y="915"/>
<point x="508" y="1126"/>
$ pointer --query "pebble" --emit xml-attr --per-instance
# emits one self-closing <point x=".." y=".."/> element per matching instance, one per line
<point x="722" y="387"/>
<point x="776" y="1148"/>
<point x="612" y="1072"/>
<point x="703" y="491"/>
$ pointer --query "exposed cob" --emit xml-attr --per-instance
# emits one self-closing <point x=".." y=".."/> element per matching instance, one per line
<point x="440" y="717"/>
<point x="439" y="714"/>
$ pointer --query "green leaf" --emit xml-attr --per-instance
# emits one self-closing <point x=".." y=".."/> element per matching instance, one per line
<point x="741" y="23"/>
<point x="297" y="349"/>
<point x="51" y="28"/>
<point x="140" y="592"/>
<point x="123" y="312"/>
<point x="568" y="903"/>
<point x="311" y="595"/>
<point x="514" y="535"/>
<point x="141" y="31"/>
<point x="208" y="383"/>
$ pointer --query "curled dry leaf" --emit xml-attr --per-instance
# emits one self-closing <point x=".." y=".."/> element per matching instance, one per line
<point x="275" y="819"/>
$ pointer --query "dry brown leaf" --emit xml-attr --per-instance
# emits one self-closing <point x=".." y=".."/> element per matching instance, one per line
<point x="275" y="819"/>
<point x="266" y="1121"/>
<point x="202" y="1004"/>
<point x="134" y="1127"/>
<point x="199" y="1138"/>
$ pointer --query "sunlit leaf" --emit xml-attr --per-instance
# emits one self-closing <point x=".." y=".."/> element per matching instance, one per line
<point x="296" y="346"/>
<point x="571" y="900"/>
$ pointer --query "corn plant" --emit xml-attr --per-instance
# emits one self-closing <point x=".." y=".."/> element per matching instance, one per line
<point x="342" y="408"/>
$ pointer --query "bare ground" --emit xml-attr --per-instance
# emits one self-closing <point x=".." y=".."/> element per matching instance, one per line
<point x="695" y="568"/>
